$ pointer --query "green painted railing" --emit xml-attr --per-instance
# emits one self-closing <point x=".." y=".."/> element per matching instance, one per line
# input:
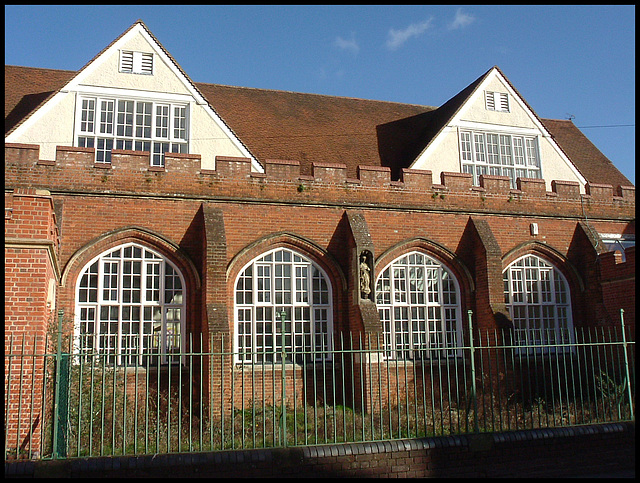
<point x="64" y="403"/>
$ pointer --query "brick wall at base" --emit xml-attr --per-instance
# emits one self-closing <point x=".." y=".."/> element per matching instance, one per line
<point x="557" y="452"/>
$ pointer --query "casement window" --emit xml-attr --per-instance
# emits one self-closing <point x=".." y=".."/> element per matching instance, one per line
<point x="538" y="299"/>
<point x="418" y="300"/>
<point x="497" y="101"/>
<point x="140" y="125"/>
<point x="130" y="308"/>
<point x="283" y="299"/>
<point x="132" y="62"/>
<point x="499" y="154"/>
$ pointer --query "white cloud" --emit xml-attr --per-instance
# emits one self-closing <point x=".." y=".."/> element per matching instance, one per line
<point x="461" y="20"/>
<point x="398" y="37"/>
<point x="348" y="45"/>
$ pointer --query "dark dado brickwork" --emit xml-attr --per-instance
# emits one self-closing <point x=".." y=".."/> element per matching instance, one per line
<point x="557" y="452"/>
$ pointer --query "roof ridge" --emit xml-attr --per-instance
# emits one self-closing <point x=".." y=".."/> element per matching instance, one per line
<point x="315" y="94"/>
<point x="39" y="68"/>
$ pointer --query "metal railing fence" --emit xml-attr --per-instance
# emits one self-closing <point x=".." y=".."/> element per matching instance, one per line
<point x="59" y="404"/>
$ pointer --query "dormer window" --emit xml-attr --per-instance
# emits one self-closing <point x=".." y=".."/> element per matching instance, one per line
<point x="136" y="62"/>
<point x="497" y="101"/>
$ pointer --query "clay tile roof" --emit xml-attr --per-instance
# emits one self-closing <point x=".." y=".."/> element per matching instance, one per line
<point x="307" y="128"/>
<point x="26" y="88"/>
<point x="588" y="159"/>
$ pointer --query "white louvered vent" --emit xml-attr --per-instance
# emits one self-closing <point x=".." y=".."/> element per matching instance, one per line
<point x="136" y="62"/>
<point x="126" y="61"/>
<point x="497" y="101"/>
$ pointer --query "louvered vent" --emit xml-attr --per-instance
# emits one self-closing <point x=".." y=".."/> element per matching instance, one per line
<point x="126" y="61"/>
<point x="497" y="101"/>
<point x="146" y="63"/>
<point x="136" y="62"/>
<point x="491" y="103"/>
<point x="504" y="101"/>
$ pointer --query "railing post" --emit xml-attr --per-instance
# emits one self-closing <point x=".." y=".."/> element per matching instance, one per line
<point x="473" y="373"/>
<point x="626" y="363"/>
<point x="60" y="412"/>
<point x="283" y="318"/>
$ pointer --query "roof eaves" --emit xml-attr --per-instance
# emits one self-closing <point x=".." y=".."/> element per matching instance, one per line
<point x="195" y="87"/>
<point x="77" y="73"/>
<point x="451" y="108"/>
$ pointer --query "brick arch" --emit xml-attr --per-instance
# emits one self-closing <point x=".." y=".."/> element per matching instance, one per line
<point x="294" y="242"/>
<point x="144" y="237"/>
<point x="448" y="258"/>
<point x="550" y="254"/>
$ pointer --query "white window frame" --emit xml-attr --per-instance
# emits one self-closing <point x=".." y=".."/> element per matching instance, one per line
<point x="538" y="299"/>
<point x="420" y="321"/>
<point x="107" y="284"/>
<point x="279" y="280"/>
<point x="131" y="123"/>
<point x="499" y="153"/>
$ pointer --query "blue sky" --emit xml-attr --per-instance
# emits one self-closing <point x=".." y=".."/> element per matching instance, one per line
<point x="566" y="61"/>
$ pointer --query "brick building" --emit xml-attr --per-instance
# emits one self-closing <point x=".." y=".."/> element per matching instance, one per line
<point x="152" y="209"/>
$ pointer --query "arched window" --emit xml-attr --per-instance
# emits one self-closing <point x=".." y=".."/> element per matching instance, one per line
<point x="283" y="285"/>
<point x="130" y="305"/>
<point x="418" y="300"/>
<point x="538" y="300"/>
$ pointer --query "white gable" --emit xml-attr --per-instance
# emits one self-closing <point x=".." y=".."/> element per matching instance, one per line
<point x="134" y="67"/>
<point x="495" y="108"/>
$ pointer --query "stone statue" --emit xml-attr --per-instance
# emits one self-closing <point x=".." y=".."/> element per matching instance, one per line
<point x="365" y="277"/>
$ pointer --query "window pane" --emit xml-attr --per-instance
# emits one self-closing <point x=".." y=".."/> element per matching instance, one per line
<point x="423" y="313"/>
<point x="538" y="302"/>
<point x="143" y="120"/>
<point x="132" y="318"/>
<point x="87" y="115"/>
<point x="106" y="116"/>
<point x="493" y="150"/>
<point x="465" y="146"/>
<point x="124" y="125"/>
<point x="162" y="121"/>
<point x="506" y="158"/>
<point x="286" y="284"/>
<point x="479" y="147"/>
<point x="180" y="123"/>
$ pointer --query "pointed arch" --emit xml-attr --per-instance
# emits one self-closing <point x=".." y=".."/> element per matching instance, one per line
<point x="131" y="234"/>
<point x="283" y="297"/>
<point x="131" y="292"/>
<point x="539" y="287"/>
<point x="419" y="297"/>
<point x="295" y="242"/>
<point x="435" y="250"/>
<point x="550" y="254"/>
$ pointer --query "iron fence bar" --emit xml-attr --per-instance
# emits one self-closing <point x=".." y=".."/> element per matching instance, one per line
<point x="56" y="415"/>
<point x="20" y="391"/>
<point x="102" y="391"/>
<point x="626" y="364"/>
<point x="472" y="363"/>
<point x="7" y="394"/>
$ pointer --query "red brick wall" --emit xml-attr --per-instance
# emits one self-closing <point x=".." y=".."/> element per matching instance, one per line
<point x="30" y="268"/>
<point x="618" y="280"/>
<point x="182" y="211"/>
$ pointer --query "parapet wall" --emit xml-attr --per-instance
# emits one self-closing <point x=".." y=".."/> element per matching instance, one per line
<point x="129" y="172"/>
